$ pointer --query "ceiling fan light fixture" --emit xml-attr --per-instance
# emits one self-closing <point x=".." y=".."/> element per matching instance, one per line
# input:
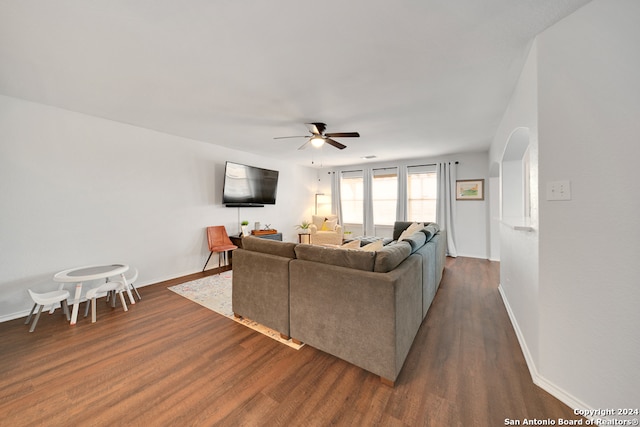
<point x="317" y="141"/>
<point x="318" y="138"/>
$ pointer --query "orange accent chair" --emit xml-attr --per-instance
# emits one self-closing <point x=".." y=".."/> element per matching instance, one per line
<point x="218" y="242"/>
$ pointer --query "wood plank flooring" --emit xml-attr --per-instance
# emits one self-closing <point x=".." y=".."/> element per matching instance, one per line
<point x="171" y="362"/>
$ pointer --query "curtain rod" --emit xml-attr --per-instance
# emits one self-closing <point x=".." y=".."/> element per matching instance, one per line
<point x="431" y="164"/>
<point x="395" y="167"/>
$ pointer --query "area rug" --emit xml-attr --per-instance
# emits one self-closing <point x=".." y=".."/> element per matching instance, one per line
<point x="214" y="293"/>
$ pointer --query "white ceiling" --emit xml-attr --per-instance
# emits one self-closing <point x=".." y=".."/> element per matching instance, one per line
<point x="415" y="78"/>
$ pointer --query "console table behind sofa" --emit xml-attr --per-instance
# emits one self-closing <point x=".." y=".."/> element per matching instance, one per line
<point x="237" y="240"/>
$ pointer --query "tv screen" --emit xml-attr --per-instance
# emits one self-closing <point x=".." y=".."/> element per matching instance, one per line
<point x="248" y="186"/>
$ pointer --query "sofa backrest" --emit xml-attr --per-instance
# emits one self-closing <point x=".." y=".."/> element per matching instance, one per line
<point x="400" y="226"/>
<point x="430" y="229"/>
<point x="391" y="256"/>
<point x="273" y="247"/>
<point x="350" y="258"/>
<point x="416" y="240"/>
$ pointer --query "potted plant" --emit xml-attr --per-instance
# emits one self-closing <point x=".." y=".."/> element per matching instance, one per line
<point x="245" y="228"/>
<point x="303" y="227"/>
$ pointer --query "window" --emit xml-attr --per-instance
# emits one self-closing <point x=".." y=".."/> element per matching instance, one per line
<point x="422" y="191"/>
<point x="385" y="195"/>
<point x="352" y="197"/>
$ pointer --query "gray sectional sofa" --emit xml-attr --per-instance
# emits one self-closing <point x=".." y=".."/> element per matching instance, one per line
<point x="363" y="307"/>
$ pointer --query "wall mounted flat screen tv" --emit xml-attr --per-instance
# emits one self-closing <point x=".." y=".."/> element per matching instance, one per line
<point x="248" y="186"/>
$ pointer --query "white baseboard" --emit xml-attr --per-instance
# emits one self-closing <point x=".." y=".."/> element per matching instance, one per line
<point x="13" y="316"/>
<point x="548" y="386"/>
<point x="476" y="256"/>
<point x="25" y="313"/>
<point x="523" y="344"/>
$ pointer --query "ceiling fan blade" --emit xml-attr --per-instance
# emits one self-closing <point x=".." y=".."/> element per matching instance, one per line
<point x="335" y="143"/>
<point x="316" y="128"/>
<point x="343" y="135"/>
<point x="303" y="146"/>
<point x="285" y="137"/>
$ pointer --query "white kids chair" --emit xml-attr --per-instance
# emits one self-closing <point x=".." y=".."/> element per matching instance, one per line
<point x="102" y="290"/>
<point x="47" y="298"/>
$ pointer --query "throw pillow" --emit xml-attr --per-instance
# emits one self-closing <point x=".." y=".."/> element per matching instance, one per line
<point x="412" y="229"/>
<point x="318" y="221"/>
<point x="354" y="244"/>
<point x="373" y="247"/>
<point x="329" y="224"/>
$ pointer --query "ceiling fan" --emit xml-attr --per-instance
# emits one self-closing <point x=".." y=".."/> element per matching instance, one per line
<point x="319" y="137"/>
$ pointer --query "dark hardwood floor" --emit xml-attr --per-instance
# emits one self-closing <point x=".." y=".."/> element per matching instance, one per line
<point x="171" y="362"/>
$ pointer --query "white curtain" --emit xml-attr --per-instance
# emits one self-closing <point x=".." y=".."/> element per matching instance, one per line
<point x="367" y="218"/>
<point x="336" y="205"/>
<point x="403" y="197"/>
<point x="445" y="210"/>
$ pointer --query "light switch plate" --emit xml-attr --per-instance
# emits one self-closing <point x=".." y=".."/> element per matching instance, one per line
<point x="559" y="190"/>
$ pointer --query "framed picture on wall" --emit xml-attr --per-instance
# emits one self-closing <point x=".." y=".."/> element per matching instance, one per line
<point x="470" y="189"/>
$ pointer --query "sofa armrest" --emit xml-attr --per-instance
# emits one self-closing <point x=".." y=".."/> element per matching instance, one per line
<point x="366" y="318"/>
<point x="260" y="288"/>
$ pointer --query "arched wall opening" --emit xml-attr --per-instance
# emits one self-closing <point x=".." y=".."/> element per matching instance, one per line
<point x="514" y="178"/>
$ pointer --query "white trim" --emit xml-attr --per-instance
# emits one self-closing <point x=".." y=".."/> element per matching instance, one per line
<point x="523" y="344"/>
<point x="25" y="313"/>
<point x="557" y="392"/>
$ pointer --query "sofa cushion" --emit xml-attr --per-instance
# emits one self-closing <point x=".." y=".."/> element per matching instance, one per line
<point x="416" y="240"/>
<point x="390" y="256"/>
<point x="273" y="247"/>
<point x="433" y="225"/>
<point x="356" y="259"/>
<point x="429" y="231"/>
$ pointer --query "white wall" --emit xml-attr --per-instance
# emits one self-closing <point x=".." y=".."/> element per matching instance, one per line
<point x="471" y="217"/>
<point x="589" y="97"/>
<point x="572" y="285"/>
<point x="78" y="190"/>
<point x="519" y="249"/>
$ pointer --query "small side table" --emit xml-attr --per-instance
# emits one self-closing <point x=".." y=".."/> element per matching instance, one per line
<point x="301" y="235"/>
